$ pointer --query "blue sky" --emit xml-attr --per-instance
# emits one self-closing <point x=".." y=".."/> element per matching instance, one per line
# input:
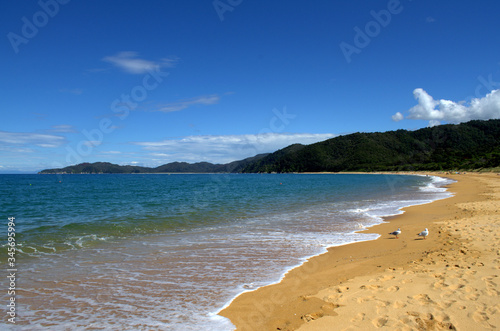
<point x="152" y="82"/>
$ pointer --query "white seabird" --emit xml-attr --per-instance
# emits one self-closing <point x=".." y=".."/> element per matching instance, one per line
<point x="396" y="233"/>
<point x="424" y="233"/>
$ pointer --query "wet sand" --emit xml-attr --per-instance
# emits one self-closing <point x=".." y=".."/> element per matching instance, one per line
<point x="446" y="281"/>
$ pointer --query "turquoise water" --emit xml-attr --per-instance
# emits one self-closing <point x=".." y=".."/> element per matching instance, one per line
<point x="169" y="251"/>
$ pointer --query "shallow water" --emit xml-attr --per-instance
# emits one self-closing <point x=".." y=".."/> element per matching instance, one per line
<point x="131" y="252"/>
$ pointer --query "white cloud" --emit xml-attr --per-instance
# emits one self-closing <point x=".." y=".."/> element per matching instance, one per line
<point x="92" y="143"/>
<point x="449" y="111"/>
<point x="12" y="149"/>
<point x="397" y="117"/>
<point x="130" y="63"/>
<point x="63" y="128"/>
<point x="180" y="105"/>
<point x="110" y="152"/>
<point x="75" y="91"/>
<point x="434" y="123"/>
<point x="37" y="139"/>
<point x="225" y="148"/>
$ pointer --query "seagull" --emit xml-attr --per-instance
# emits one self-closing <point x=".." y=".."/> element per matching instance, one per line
<point x="396" y="233"/>
<point x="424" y="233"/>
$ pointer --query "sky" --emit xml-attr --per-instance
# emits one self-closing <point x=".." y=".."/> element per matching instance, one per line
<point x="152" y="82"/>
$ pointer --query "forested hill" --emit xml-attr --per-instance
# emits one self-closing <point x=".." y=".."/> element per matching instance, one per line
<point x="470" y="145"/>
<point x="174" y="167"/>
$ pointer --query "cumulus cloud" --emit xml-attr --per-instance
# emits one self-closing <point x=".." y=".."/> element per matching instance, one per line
<point x="449" y="111"/>
<point x="397" y="117"/>
<point x="63" y="128"/>
<point x="180" y="105"/>
<point x="36" y="139"/>
<point x="130" y="63"/>
<point x="225" y="148"/>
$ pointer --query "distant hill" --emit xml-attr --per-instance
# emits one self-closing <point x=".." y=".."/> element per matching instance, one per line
<point x="471" y="145"/>
<point x="174" y="167"/>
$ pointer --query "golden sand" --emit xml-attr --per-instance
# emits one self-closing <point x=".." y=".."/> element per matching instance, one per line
<point x="447" y="281"/>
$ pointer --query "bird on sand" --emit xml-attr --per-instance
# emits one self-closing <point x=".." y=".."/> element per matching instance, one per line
<point x="396" y="233"/>
<point x="424" y="233"/>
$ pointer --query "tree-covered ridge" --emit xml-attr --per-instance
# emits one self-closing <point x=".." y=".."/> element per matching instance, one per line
<point x="174" y="167"/>
<point x="470" y="145"/>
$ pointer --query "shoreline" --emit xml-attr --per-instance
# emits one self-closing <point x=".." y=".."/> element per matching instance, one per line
<point x="383" y="219"/>
<point x="298" y="301"/>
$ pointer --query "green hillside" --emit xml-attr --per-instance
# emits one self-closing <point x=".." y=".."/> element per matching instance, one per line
<point x="467" y="146"/>
<point x="174" y="167"/>
<point x="471" y="145"/>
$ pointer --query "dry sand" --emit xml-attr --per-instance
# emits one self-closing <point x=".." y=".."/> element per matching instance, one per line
<point x="447" y="281"/>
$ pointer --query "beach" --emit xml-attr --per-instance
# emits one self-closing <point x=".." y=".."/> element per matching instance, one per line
<point x="177" y="252"/>
<point x="158" y="251"/>
<point x="445" y="281"/>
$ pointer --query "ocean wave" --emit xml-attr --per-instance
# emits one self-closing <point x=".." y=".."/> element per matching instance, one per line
<point x="436" y="185"/>
<point x="187" y="263"/>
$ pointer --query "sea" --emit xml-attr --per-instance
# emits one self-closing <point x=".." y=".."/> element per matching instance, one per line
<point x="169" y="251"/>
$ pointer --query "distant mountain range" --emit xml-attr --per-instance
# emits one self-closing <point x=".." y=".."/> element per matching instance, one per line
<point x="471" y="145"/>
<point x="174" y="167"/>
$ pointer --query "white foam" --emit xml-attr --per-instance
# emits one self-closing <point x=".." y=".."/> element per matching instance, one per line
<point x="436" y="184"/>
<point x="177" y="280"/>
<point x="374" y="214"/>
